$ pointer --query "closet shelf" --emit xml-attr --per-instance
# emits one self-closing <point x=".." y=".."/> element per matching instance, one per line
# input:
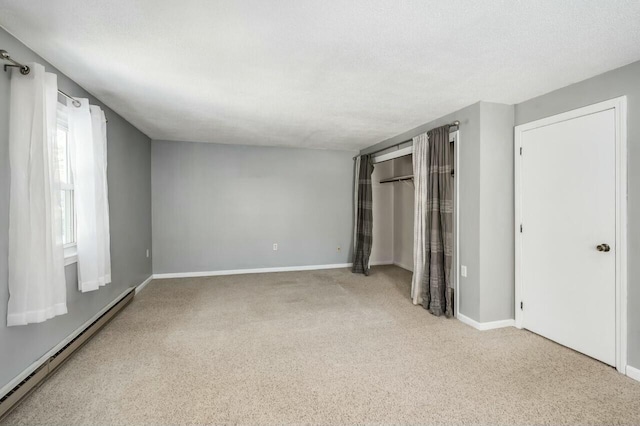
<point x="397" y="179"/>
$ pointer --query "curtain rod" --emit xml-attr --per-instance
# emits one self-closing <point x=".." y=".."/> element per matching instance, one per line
<point x="25" y="70"/>
<point x="76" y="103"/>
<point x="454" y="124"/>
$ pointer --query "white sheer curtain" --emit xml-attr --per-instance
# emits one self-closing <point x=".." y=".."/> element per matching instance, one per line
<point x="37" y="287"/>
<point x="87" y="130"/>
<point x="420" y="165"/>
<point x="99" y="128"/>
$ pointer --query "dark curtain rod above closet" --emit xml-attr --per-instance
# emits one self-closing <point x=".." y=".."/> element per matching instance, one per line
<point x="25" y="70"/>
<point x="454" y="124"/>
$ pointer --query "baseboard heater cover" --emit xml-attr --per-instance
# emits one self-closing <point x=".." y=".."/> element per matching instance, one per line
<point x="22" y="389"/>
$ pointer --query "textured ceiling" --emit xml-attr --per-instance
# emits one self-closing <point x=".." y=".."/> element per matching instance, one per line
<point x="324" y="74"/>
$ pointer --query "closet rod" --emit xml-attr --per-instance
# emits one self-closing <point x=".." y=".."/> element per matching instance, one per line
<point x="25" y="70"/>
<point x="397" y="179"/>
<point x="454" y="124"/>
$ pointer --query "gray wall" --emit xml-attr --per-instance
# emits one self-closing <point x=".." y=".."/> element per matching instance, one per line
<point x="497" y="249"/>
<point x="221" y="207"/>
<point x="619" y="82"/>
<point x="129" y="178"/>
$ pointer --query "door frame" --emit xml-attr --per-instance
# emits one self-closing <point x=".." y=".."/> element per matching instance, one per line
<point x="619" y="105"/>
<point x="454" y="137"/>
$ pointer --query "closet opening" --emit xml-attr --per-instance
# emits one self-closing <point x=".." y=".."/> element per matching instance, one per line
<point x="393" y="192"/>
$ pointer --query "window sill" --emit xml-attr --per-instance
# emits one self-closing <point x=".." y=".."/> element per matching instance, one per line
<point x="70" y="254"/>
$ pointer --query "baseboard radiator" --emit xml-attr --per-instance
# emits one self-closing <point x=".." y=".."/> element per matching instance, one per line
<point x="15" y="395"/>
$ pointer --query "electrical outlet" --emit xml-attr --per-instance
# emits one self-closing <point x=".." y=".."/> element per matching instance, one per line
<point x="275" y="246"/>
<point x="147" y="252"/>
<point x="339" y="248"/>
<point x="463" y="270"/>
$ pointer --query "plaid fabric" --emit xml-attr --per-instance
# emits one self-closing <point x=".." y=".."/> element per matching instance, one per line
<point x="364" y="216"/>
<point x="437" y="290"/>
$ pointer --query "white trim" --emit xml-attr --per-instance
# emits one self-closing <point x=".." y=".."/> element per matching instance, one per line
<point x="633" y="373"/>
<point x="143" y="284"/>
<point x="482" y="326"/>
<point x="393" y="154"/>
<point x="70" y="254"/>
<point x="393" y="211"/>
<point x="249" y="271"/>
<point x="517" y="203"/>
<point x="35" y="365"/>
<point x="381" y="262"/>
<point x="619" y="105"/>
<point x="455" y="138"/>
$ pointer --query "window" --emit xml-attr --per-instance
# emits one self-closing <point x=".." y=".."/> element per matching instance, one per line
<point x="63" y="158"/>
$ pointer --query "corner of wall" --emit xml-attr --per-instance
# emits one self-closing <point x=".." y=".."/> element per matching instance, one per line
<point x="497" y="284"/>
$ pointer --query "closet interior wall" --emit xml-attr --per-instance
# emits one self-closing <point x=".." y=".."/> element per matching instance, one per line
<point x="403" y="201"/>
<point x="393" y="214"/>
<point x="382" y="248"/>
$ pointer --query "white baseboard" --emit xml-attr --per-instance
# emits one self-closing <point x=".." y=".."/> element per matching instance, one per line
<point x="633" y="372"/>
<point x="250" y="271"/>
<point x="486" y="325"/>
<point x="144" y="283"/>
<point x="381" y="262"/>
<point x="403" y="266"/>
<point x="34" y="366"/>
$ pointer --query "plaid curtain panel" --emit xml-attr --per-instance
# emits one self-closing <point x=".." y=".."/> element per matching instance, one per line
<point x="364" y="215"/>
<point x="437" y="290"/>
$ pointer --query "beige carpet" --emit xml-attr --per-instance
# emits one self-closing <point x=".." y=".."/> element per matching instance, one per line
<point x="318" y="347"/>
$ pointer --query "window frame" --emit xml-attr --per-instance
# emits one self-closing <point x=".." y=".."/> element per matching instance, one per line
<point x="71" y="248"/>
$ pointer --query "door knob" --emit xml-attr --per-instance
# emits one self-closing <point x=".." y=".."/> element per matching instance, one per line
<point x="603" y="247"/>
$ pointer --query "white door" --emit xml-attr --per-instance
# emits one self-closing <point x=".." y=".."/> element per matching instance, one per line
<point x="568" y="240"/>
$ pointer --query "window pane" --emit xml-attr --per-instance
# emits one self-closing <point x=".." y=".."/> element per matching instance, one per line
<point x="62" y="156"/>
<point x="63" y="197"/>
<point x="68" y="218"/>
<point x="63" y="165"/>
<point x="71" y="222"/>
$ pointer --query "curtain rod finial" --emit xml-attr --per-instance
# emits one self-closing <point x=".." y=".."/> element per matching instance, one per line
<point x="24" y="70"/>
